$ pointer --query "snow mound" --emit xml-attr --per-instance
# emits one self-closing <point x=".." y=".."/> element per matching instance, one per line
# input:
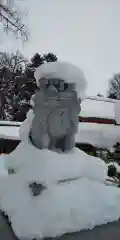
<point x="75" y="196"/>
<point x="63" y="70"/>
<point x="68" y="207"/>
<point x="50" y="167"/>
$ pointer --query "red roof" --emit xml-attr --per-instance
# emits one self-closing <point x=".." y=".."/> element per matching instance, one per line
<point x="97" y="120"/>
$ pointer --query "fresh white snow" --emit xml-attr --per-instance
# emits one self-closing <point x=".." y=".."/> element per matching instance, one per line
<point x="9" y="132"/>
<point x="63" y="70"/>
<point x="98" y="109"/>
<point x="99" y="135"/>
<point x="82" y="202"/>
<point x="61" y="208"/>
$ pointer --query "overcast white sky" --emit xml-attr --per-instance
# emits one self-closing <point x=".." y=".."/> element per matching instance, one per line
<point x="84" y="32"/>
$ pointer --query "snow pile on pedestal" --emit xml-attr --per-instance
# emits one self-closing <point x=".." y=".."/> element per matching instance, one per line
<point x="65" y="71"/>
<point x="75" y="195"/>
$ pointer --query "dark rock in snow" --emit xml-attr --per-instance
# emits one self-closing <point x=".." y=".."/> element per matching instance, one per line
<point x="36" y="188"/>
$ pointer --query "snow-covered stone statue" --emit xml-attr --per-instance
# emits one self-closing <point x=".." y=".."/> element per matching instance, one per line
<point x="52" y="187"/>
<point x="55" y="120"/>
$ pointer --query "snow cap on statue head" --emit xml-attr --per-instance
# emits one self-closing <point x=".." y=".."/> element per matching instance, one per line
<point x="64" y="71"/>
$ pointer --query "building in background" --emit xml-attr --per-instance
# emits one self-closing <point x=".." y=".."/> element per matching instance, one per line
<point x="99" y="126"/>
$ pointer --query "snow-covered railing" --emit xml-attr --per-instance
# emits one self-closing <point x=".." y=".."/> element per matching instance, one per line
<point x="10" y="123"/>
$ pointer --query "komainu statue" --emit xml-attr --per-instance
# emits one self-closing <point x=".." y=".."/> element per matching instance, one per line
<point x="56" y="109"/>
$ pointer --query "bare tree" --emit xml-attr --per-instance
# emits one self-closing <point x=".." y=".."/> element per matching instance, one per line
<point x="12" y="61"/>
<point x="114" y="87"/>
<point x="12" y="19"/>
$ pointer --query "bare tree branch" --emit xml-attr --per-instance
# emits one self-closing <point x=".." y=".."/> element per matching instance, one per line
<point x="12" y="20"/>
<point x="12" y="61"/>
<point x="114" y="87"/>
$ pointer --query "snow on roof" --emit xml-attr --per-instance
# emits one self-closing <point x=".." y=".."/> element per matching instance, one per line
<point x="9" y="132"/>
<point x="99" y="135"/>
<point x="98" y="109"/>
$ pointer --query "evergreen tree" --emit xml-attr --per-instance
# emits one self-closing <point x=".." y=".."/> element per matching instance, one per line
<point x="114" y="87"/>
<point x="117" y="153"/>
<point x="50" y="57"/>
<point x="37" y="60"/>
<point x="17" y="84"/>
<point x="112" y="96"/>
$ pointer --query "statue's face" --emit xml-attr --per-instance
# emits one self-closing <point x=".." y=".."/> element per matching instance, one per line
<point x="59" y="84"/>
